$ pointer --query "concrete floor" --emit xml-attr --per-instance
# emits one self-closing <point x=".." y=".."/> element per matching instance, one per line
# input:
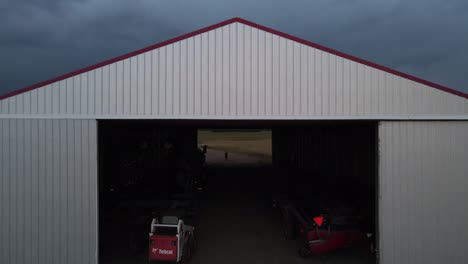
<point x="237" y="224"/>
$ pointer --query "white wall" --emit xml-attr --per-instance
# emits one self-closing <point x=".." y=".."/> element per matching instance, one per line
<point x="423" y="192"/>
<point x="233" y="72"/>
<point x="48" y="191"/>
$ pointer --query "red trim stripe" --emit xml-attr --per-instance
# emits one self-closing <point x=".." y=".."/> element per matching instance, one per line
<point x="221" y="24"/>
<point x="353" y="58"/>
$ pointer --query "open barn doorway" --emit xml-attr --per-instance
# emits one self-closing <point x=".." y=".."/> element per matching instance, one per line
<point x="253" y="188"/>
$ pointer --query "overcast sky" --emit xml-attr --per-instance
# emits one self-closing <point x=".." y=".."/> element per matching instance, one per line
<point x="41" y="39"/>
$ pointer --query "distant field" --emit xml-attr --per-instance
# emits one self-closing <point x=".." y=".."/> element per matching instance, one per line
<point x="252" y="143"/>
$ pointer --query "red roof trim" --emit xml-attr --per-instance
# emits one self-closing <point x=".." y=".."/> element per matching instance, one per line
<point x="221" y="24"/>
<point x="353" y="58"/>
<point x="119" y="58"/>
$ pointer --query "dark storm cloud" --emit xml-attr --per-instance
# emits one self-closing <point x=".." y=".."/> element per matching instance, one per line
<point x="45" y="38"/>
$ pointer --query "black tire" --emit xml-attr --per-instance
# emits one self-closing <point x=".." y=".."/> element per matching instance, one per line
<point x="372" y="250"/>
<point x="194" y="244"/>
<point x="288" y="226"/>
<point x="133" y="244"/>
<point x="287" y="233"/>
<point x="304" y="252"/>
<point x="189" y="249"/>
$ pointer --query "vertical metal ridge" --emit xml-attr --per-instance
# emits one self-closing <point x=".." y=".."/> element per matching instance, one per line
<point x="62" y="192"/>
<point x="236" y="70"/>
<point x="154" y="90"/>
<point x="39" y="160"/>
<point x="125" y="86"/>
<point x="40" y="101"/>
<point x="311" y="105"/>
<point x="47" y="214"/>
<point x="183" y="78"/>
<point x="189" y="82"/>
<point x="135" y="90"/>
<point x="209" y="63"/>
<point x="243" y="65"/>
<point x="298" y="102"/>
<point x="3" y="214"/>
<point x="253" y="73"/>
<point x="276" y="76"/>
<point x="97" y="85"/>
<point x="176" y="101"/>
<point x="113" y="79"/>
<point x="216" y="65"/>
<point x="104" y="80"/>
<point x="366" y="90"/>
<point x="204" y="74"/>
<point x="319" y="81"/>
<point x="218" y="77"/>
<point x="77" y="98"/>
<point x="331" y="76"/>
<point x="170" y="79"/>
<point x="47" y="102"/>
<point x="4" y="106"/>
<point x="198" y="60"/>
<point x="6" y="147"/>
<point x="425" y="161"/>
<point x="192" y="81"/>
<point x="161" y="86"/>
<point x="247" y="71"/>
<point x="140" y="88"/>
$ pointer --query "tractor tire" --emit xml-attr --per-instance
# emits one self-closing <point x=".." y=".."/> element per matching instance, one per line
<point x="372" y="249"/>
<point x="304" y="252"/>
<point x="288" y="226"/>
<point x="133" y="244"/>
<point x="189" y="249"/>
<point x="287" y="233"/>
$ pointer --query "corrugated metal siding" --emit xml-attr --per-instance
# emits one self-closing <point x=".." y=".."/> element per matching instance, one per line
<point x="423" y="196"/>
<point x="48" y="191"/>
<point x="236" y="71"/>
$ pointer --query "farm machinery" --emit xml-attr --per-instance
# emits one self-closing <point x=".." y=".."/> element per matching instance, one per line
<point x="170" y="239"/>
<point x="145" y="185"/>
<point x="322" y="231"/>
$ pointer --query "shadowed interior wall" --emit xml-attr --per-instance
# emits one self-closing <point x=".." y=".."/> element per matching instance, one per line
<point x="337" y="157"/>
<point x="48" y="189"/>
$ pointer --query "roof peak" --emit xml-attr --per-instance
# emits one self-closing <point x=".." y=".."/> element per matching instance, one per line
<point x="221" y="24"/>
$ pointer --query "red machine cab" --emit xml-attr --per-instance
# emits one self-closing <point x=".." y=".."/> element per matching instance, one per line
<point x="170" y="239"/>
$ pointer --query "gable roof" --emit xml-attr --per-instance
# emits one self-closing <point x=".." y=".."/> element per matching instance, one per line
<point x="221" y="24"/>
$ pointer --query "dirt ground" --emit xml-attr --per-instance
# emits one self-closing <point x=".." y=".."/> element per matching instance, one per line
<point x="237" y="223"/>
<point x="253" y="143"/>
<point x="216" y="158"/>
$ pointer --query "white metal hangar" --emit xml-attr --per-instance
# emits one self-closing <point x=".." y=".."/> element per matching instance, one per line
<point x="232" y="71"/>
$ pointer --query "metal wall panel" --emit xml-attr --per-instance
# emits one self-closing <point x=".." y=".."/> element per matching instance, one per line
<point x="48" y="181"/>
<point x="236" y="71"/>
<point x="423" y="178"/>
